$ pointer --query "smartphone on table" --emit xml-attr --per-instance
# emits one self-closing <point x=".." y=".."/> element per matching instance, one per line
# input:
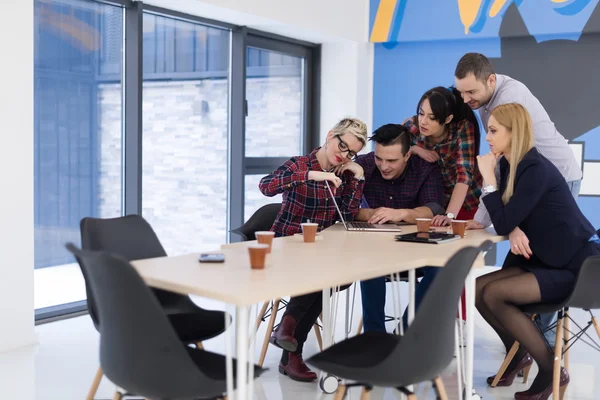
<point x="212" y="258"/>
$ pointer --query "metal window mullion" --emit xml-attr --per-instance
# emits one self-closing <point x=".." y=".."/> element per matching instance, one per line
<point x="312" y="102"/>
<point x="132" y="110"/>
<point x="236" y="136"/>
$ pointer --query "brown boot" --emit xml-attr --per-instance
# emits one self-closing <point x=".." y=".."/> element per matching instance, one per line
<point x="293" y="366"/>
<point x="283" y="337"/>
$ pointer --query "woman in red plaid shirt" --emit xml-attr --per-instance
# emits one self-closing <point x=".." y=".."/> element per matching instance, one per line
<point x="301" y="180"/>
<point x="445" y="130"/>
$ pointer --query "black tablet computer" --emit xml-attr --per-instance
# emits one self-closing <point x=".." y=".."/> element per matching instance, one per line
<point x="427" y="237"/>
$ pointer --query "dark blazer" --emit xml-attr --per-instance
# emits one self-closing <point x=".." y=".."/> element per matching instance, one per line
<point x="543" y="207"/>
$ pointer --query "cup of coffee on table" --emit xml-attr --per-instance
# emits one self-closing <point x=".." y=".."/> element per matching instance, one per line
<point x="423" y="224"/>
<point x="265" y="237"/>
<point x="459" y="227"/>
<point x="258" y="254"/>
<point x="309" y="231"/>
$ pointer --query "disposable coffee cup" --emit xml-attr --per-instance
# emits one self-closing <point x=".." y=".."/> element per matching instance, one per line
<point x="459" y="227"/>
<point x="423" y="224"/>
<point x="309" y="231"/>
<point x="265" y="237"/>
<point x="258" y="255"/>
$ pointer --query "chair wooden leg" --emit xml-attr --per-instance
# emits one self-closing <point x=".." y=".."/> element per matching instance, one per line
<point x="596" y="325"/>
<point x="95" y="384"/>
<point x="365" y="394"/>
<point x="318" y="335"/>
<point x="412" y="396"/>
<point x="360" y="327"/>
<point x="526" y="372"/>
<point x="340" y="393"/>
<point x="199" y="346"/>
<point x="556" y="389"/>
<point x="117" y="396"/>
<point x="567" y="337"/>
<point x="441" y="390"/>
<point x="507" y="360"/>
<point x="261" y="314"/>
<point x="270" y="326"/>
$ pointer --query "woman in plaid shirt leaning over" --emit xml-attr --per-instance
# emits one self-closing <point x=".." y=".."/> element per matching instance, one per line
<point x="301" y="180"/>
<point x="445" y="130"/>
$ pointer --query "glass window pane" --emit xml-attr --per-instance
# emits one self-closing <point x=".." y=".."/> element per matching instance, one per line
<point x="254" y="198"/>
<point x="185" y="120"/>
<point x="274" y="93"/>
<point x="77" y="139"/>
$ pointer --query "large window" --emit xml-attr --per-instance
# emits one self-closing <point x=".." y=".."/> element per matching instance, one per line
<point x="185" y="121"/>
<point x="78" y="47"/>
<point x="277" y="95"/>
<point x="177" y="123"/>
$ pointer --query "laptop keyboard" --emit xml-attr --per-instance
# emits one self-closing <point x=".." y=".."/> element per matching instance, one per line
<point x="360" y="225"/>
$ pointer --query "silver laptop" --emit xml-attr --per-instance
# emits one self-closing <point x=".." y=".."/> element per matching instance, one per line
<point x="362" y="226"/>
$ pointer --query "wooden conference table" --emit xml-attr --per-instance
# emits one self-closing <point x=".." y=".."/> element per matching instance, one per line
<point x="293" y="268"/>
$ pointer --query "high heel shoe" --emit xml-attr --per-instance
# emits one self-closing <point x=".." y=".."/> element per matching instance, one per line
<point x="545" y="394"/>
<point x="509" y="376"/>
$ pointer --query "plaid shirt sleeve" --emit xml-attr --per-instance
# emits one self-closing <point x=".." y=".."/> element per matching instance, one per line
<point x="289" y="175"/>
<point x="432" y="190"/>
<point x="413" y="129"/>
<point x="465" y="152"/>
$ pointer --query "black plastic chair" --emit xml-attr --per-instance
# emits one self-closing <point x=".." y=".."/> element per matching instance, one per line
<point x="133" y="238"/>
<point x="261" y="220"/>
<point x="421" y="354"/>
<point x="139" y="349"/>
<point x="403" y="276"/>
<point x="585" y="295"/>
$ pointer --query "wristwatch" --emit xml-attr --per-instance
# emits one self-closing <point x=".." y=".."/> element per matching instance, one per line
<point x="450" y="215"/>
<point x="489" y="189"/>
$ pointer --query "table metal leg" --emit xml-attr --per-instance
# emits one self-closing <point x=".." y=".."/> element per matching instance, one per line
<point x="412" y="281"/>
<point x="241" y="319"/>
<point x="470" y="326"/>
<point x="228" y="355"/>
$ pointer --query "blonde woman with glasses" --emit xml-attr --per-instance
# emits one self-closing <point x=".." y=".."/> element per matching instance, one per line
<point x="302" y="181"/>
<point x="531" y="195"/>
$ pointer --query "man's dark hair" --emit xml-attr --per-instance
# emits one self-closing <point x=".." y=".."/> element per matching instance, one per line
<point x="476" y="64"/>
<point x="391" y="134"/>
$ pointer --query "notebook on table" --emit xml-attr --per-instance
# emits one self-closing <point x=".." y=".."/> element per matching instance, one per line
<point x="427" y="237"/>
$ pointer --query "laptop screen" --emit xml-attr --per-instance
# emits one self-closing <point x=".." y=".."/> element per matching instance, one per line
<point x="336" y="205"/>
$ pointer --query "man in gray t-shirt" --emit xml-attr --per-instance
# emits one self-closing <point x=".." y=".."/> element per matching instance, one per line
<point x="484" y="90"/>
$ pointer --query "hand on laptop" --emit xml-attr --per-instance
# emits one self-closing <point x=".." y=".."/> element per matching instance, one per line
<point x="383" y="215"/>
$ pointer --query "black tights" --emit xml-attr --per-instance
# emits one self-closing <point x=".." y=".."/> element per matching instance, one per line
<point x="498" y="296"/>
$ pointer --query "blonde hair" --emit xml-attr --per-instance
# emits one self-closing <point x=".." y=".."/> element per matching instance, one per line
<point x="352" y="126"/>
<point x="515" y="118"/>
